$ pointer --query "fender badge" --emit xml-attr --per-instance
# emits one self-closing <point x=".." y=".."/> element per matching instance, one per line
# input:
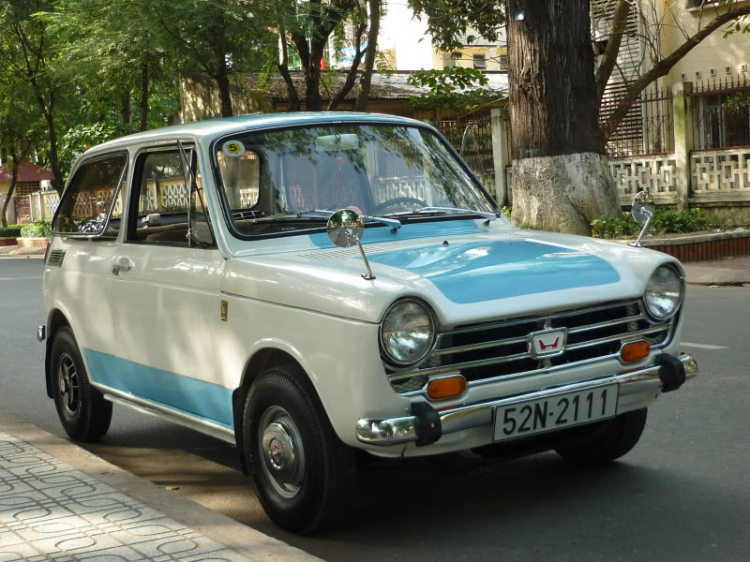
<point x="224" y="310"/>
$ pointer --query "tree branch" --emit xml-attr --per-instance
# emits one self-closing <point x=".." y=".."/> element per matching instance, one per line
<point x="619" y="23"/>
<point x="663" y="67"/>
<point x="284" y="69"/>
<point x="351" y="76"/>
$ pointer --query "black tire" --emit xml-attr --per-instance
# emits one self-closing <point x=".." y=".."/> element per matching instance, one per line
<point x="309" y="493"/>
<point x="610" y="441"/>
<point x="84" y="413"/>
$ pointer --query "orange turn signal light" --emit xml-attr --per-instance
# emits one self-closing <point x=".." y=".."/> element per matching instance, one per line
<point x="446" y="387"/>
<point x="635" y="351"/>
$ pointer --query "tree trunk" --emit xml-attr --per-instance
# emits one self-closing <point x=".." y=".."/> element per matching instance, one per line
<point x="561" y="179"/>
<point x="11" y="189"/>
<point x="313" y="100"/>
<point x="59" y="182"/>
<point x="127" y="109"/>
<point x="225" y="95"/>
<point x="372" y="45"/>
<point x="145" y="84"/>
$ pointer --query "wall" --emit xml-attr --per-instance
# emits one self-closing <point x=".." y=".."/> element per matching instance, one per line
<point x="715" y="52"/>
<point x="407" y="36"/>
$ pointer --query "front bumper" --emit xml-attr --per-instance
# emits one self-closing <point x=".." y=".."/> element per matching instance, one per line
<point x="428" y="425"/>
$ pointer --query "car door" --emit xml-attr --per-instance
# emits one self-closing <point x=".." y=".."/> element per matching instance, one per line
<point x="166" y="290"/>
<point x="86" y="229"/>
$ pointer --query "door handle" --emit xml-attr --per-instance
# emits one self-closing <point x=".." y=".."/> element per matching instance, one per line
<point x="122" y="264"/>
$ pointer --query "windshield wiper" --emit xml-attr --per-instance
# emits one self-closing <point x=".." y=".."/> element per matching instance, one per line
<point x="394" y="224"/>
<point x="447" y="210"/>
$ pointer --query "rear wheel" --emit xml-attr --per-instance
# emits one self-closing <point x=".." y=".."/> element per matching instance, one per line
<point x="302" y="470"/>
<point x="84" y="413"/>
<point x="610" y="441"/>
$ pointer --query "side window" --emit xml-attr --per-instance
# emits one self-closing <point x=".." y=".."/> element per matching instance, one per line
<point x="86" y="204"/>
<point x="164" y="202"/>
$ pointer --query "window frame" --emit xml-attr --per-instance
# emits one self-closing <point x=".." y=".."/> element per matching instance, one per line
<point x="85" y="162"/>
<point x="139" y="159"/>
<point x="224" y="203"/>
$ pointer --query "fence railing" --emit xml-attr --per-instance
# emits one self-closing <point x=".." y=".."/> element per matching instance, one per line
<point x="648" y="127"/>
<point x="720" y="113"/>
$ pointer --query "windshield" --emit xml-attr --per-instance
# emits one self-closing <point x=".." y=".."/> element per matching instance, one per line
<point x="285" y="180"/>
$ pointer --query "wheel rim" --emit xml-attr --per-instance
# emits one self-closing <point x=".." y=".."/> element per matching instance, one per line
<point x="282" y="452"/>
<point x="68" y="385"/>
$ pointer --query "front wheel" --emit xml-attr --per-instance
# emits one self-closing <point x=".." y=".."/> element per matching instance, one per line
<point x="83" y="411"/>
<point x="302" y="470"/>
<point x="610" y="441"/>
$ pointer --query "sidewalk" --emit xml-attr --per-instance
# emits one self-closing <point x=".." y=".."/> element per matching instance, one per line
<point x="15" y="252"/>
<point x="732" y="270"/>
<point x="58" y="502"/>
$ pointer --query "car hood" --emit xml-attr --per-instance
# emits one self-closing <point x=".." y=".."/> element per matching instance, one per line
<point x="465" y="278"/>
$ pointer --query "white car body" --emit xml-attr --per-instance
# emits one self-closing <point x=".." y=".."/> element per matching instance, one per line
<point x="154" y="336"/>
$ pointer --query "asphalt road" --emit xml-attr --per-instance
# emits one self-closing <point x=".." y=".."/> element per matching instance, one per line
<point x="683" y="494"/>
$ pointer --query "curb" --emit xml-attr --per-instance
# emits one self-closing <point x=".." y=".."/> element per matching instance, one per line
<point x="221" y="529"/>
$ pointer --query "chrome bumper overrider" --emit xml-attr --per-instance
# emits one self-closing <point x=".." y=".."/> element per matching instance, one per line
<point x="396" y="431"/>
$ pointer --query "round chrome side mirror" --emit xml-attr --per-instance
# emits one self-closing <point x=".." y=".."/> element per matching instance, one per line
<point x="643" y="207"/>
<point x="345" y="228"/>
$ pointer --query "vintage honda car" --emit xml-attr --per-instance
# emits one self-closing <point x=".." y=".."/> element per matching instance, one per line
<point x="315" y="288"/>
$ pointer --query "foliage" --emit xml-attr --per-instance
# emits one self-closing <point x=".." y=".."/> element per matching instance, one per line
<point x="38" y="229"/>
<point x="452" y="22"/>
<point x="614" y="227"/>
<point x="665" y="221"/>
<point x="79" y="138"/>
<point x="737" y="102"/>
<point x="457" y="87"/>
<point x="10" y="231"/>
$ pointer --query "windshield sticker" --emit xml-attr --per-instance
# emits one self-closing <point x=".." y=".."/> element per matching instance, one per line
<point x="233" y="148"/>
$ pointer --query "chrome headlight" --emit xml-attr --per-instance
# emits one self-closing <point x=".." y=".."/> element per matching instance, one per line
<point x="663" y="293"/>
<point x="407" y="333"/>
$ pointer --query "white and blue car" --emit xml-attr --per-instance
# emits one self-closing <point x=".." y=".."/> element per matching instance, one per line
<point x="311" y="286"/>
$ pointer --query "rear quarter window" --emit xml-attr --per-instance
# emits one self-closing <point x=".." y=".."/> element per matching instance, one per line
<point x="93" y="192"/>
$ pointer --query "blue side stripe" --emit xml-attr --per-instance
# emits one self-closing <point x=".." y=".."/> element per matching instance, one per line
<point x="209" y="401"/>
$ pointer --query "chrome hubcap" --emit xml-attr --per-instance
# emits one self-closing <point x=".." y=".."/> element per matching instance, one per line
<point x="281" y="449"/>
<point x="67" y="378"/>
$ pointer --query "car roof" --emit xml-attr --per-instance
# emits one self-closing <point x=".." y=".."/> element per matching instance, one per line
<point x="211" y="128"/>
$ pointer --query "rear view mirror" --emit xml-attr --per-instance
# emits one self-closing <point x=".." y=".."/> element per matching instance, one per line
<point x="334" y="143"/>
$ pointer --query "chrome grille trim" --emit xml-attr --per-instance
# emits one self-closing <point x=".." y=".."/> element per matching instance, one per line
<point x="622" y="336"/>
<point x="623" y="321"/>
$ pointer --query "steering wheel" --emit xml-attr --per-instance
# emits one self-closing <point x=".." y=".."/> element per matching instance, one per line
<point x="396" y="201"/>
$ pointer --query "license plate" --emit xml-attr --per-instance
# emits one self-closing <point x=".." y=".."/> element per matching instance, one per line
<point x="564" y="410"/>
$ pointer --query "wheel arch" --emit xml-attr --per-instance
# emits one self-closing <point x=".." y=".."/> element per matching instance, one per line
<point x="56" y="320"/>
<point x="261" y="360"/>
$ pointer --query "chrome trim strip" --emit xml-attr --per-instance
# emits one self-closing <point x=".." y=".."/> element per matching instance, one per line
<point x="606" y="324"/>
<point x="455" y="367"/>
<point x="522" y="320"/>
<point x="478" y="346"/>
<point x="626" y="335"/>
<point x="401" y="430"/>
<point x="170" y="414"/>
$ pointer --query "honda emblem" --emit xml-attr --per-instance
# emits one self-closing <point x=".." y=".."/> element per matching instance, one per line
<point x="547" y="343"/>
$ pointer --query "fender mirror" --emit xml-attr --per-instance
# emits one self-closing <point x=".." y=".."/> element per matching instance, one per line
<point x="642" y="211"/>
<point x="345" y="229"/>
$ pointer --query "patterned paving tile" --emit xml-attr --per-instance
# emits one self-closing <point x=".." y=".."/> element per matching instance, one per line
<point x="49" y="511"/>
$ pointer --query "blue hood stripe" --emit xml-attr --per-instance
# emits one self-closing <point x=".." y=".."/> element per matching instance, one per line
<point x="478" y="271"/>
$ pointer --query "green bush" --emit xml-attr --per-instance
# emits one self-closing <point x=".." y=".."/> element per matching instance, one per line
<point x="665" y="221"/>
<point x="614" y="227"/>
<point x="11" y="231"/>
<point x="38" y="229"/>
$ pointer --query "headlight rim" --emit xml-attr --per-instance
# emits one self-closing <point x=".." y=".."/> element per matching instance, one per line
<point x="394" y="363"/>
<point x="678" y="306"/>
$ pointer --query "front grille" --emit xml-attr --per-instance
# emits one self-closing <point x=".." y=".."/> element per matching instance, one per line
<point x="500" y="348"/>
